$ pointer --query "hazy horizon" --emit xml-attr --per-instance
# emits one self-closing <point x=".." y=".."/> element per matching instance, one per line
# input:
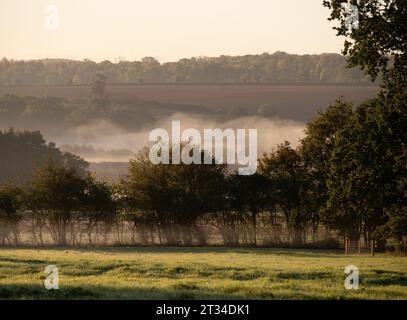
<point x="168" y="31"/>
<point x="117" y="59"/>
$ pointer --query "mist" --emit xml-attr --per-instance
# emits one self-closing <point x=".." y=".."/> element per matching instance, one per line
<point x="114" y="144"/>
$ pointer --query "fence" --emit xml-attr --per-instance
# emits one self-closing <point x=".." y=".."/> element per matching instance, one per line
<point x="359" y="247"/>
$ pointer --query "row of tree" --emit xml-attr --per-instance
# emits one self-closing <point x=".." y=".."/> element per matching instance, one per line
<point x="348" y="175"/>
<point x="51" y="114"/>
<point x="264" y="68"/>
<point x="58" y="201"/>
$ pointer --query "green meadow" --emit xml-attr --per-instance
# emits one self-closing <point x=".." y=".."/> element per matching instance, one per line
<point x="198" y="273"/>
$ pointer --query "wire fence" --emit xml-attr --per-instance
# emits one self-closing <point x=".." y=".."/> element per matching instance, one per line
<point x="359" y="247"/>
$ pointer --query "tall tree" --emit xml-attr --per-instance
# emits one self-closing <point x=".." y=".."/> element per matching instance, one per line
<point x="368" y="165"/>
<point x="251" y="194"/>
<point x="317" y="146"/>
<point x="173" y="196"/>
<point x="368" y="168"/>
<point x="285" y="168"/>
<point x="98" y="97"/>
<point x="56" y="193"/>
<point x="379" y="43"/>
<point x="97" y="205"/>
<point x="11" y="200"/>
<point x="98" y="87"/>
<point x="27" y="149"/>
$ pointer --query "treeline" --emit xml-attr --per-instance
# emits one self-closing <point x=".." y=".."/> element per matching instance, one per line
<point x="51" y="115"/>
<point x="348" y="176"/>
<point x="264" y="68"/>
<point x="21" y="152"/>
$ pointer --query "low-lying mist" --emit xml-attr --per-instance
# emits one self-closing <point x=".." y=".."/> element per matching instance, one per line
<point x="102" y="141"/>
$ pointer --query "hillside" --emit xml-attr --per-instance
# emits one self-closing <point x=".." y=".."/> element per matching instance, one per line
<point x="264" y="68"/>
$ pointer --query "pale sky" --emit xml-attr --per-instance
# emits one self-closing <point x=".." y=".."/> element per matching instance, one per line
<point x="165" y="29"/>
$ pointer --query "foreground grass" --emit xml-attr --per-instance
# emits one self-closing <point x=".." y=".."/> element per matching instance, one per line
<point x="198" y="273"/>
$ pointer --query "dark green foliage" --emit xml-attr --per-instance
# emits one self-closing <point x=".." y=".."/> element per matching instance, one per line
<point x="56" y="194"/>
<point x="11" y="200"/>
<point x="65" y="200"/>
<point x="368" y="163"/>
<point x="21" y="151"/>
<point x="368" y="169"/>
<point x="316" y="148"/>
<point x="252" y="195"/>
<point x="379" y="44"/>
<point x="292" y="188"/>
<point x="172" y="197"/>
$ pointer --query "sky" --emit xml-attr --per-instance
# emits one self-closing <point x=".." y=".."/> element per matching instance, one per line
<point x="165" y="29"/>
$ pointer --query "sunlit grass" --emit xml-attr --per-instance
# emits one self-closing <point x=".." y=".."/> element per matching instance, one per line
<point x="198" y="273"/>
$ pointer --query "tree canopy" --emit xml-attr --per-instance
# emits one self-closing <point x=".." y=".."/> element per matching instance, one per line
<point x="379" y="44"/>
<point x="263" y="68"/>
<point x="24" y="150"/>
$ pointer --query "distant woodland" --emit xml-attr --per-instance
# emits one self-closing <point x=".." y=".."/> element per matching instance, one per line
<point x="53" y="114"/>
<point x="264" y="68"/>
<point x="50" y="113"/>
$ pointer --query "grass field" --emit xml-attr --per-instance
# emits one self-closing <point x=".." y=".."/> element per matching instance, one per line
<point x="198" y="273"/>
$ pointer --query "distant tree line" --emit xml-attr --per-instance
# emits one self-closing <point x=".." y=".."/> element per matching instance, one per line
<point x="264" y="68"/>
<point x="51" y="115"/>
<point x="55" y="113"/>
<point x="47" y="112"/>
<point x="22" y="152"/>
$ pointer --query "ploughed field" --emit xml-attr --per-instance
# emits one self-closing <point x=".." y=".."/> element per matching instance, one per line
<point x="198" y="273"/>
<point x="291" y="101"/>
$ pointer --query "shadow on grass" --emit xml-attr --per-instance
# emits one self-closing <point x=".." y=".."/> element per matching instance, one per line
<point x="387" y="278"/>
<point x="35" y="292"/>
<point x="25" y="261"/>
<point x="305" y="275"/>
<point x="177" y="292"/>
<point x="300" y="253"/>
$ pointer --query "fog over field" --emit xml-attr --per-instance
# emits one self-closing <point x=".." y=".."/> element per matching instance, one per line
<point x="104" y="135"/>
<point x="101" y="139"/>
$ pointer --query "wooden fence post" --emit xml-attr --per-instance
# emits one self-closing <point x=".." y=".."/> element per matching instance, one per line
<point x="346" y="245"/>
<point x="372" y="247"/>
<point x="359" y="247"/>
